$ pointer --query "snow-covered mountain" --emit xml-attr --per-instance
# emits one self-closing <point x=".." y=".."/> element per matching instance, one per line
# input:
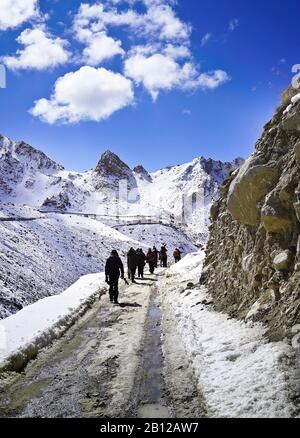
<point x="183" y="192"/>
<point x="45" y="256"/>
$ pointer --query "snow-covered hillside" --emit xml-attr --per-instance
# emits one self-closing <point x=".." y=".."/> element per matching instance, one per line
<point x="43" y="257"/>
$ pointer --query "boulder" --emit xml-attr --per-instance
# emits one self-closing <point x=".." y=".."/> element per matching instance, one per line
<point x="297" y="210"/>
<point x="214" y="211"/>
<point x="297" y="151"/>
<point x="274" y="217"/>
<point x="291" y="122"/>
<point x="204" y="275"/>
<point x="296" y="342"/>
<point x="247" y="263"/>
<point x="274" y="223"/>
<point x="283" y="261"/>
<point x="262" y="305"/>
<point x="190" y="285"/>
<point x="250" y="186"/>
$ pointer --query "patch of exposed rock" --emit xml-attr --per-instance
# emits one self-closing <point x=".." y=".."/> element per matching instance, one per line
<point x="142" y="173"/>
<point x="252" y="265"/>
<point x="111" y="173"/>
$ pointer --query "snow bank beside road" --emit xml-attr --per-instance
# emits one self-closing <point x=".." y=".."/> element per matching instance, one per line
<point x="239" y="372"/>
<point x="23" y="334"/>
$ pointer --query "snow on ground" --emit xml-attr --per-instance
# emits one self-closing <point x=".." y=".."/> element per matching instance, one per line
<point x="23" y="334"/>
<point x="158" y="235"/>
<point x="240" y="373"/>
<point x="12" y="211"/>
<point x="44" y="257"/>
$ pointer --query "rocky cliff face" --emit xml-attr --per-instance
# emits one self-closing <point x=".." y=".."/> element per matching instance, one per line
<point x="252" y="265"/>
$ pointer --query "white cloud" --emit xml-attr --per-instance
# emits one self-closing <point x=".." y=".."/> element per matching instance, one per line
<point x="41" y="51"/>
<point x="233" y="24"/>
<point x="212" y="79"/>
<point x="15" y="12"/>
<point x="87" y="94"/>
<point x="205" y="39"/>
<point x="160" y="72"/>
<point x="161" y="18"/>
<point x="100" y="47"/>
<point x="169" y="50"/>
<point x="177" y="52"/>
<point x="159" y="21"/>
<point x="156" y="72"/>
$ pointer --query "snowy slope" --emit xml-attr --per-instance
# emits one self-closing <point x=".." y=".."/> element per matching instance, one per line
<point x="240" y="373"/>
<point x="186" y="192"/>
<point x="43" y="257"/>
<point x="159" y="235"/>
<point x="23" y="334"/>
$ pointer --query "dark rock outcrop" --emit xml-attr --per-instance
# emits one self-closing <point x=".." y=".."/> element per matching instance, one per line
<point x="142" y="173"/>
<point x="112" y="174"/>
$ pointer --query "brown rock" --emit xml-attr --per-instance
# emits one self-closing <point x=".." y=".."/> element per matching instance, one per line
<point x="297" y="151"/>
<point x="274" y="217"/>
<point x="291" y="122"/>
<point x="250" y="186"/>
<point x="283" y="261"/>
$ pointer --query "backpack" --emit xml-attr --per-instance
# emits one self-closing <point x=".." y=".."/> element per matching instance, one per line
<point x="151" y="257"/>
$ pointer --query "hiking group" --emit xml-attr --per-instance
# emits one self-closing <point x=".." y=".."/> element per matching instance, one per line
<point x="136" y="262"/>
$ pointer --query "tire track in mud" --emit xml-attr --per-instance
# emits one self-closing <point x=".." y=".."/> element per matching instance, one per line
<point x="115" y="362"/>
<point x="165" y="386"/>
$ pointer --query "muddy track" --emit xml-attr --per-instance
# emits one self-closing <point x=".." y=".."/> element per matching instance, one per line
<point x="116" y="361"/>
<point x="165" y="385"/>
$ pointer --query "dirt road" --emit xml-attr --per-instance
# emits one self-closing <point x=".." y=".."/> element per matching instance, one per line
<point x="116" y="361"/>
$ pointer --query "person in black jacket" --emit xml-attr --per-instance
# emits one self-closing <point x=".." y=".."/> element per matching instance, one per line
<point x="113" y="269"/>
<point x="141" y="261"/>
<point x="164" y="256"/>
<point x="156" y="252"/>
<point x="132" y="264"/>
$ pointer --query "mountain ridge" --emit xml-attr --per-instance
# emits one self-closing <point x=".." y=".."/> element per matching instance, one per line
<point x="28" y="176"/>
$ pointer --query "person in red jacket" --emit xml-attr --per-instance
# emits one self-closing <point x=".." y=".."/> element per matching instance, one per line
<point x="151" y="260"/>
<point x="177" y="255"/>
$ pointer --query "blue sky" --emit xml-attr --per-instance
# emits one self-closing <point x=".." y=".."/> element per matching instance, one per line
<point x="135" y="96"/>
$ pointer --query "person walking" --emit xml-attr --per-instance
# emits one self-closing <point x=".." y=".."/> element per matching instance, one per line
<point x="177" y="255"/>
<point x="155" y="251"/>
<point x="132" y="264"/>
<point x="151" y="260"/>
<point x="164" y="256"/>
<point x="113" y="270"/>
<point x="141" y="261"/>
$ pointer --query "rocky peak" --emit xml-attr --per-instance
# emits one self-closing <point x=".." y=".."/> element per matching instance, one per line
<point x="110" y="171"/>
<point x="35" y="158"/>
<point x="27" y="156"/>
<point x="237" y="162"/>
<point x="111" y="165"/>
<point x="219" y="170"/>
<point x="142" y="173"/>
